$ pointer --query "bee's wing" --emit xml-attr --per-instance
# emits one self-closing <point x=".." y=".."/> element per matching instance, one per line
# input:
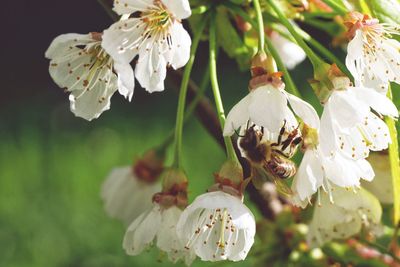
<point x="260" y="175"/>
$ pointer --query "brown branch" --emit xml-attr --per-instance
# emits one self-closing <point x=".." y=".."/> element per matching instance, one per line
<point x="206" y="114"/>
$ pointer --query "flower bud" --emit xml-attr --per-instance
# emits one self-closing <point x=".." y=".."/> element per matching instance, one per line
<point x="149" y="167"/>
<point x="174" y="189"/>
<point x="232" y="171"/>
<point x="242" y="25"/>
<point x="322" y="83"/>
<point x="262" y="64"/>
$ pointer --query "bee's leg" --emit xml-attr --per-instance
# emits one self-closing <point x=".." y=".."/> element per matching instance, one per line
<point x="281" y="133"/>
<point x="281" y="153"/>
<point x="238" y="133"/>
<point x="262" y="130"/>
<point x="294" y="143"/>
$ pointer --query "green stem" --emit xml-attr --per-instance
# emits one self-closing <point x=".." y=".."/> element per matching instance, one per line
<point x="394" y="165"/>
<point x="189" y="111"/>
<point x="290" y="85"/>
<point x="323" y="50"/>
<point x="260" y="23"/>
<point x="336" y="7"/>
<point x="199" y="10"/>
<point x="182" y="96"/>
<point x="315" y="60"/>
<point x="230" y="151"/>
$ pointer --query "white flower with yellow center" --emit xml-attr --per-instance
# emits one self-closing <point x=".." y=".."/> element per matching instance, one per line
<point x="154" y="32"/>
<point x="157" y="225"/>
<point x="318" y="170"/>
<point x="345" y="218"/>
<point x="267" y="106"/>
<point x="126" y="196"/>
<point x="217" y="226"/>
<point x="373" y="57"/>
<point x="351" y="121"/>
<point x="80" y="66"/>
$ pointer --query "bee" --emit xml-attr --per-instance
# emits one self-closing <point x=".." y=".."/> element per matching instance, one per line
<point x="272" y="157"/>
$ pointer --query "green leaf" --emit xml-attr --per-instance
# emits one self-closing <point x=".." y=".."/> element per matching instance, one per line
<point x="394" y="165"/>
<point x="385" y="10"/>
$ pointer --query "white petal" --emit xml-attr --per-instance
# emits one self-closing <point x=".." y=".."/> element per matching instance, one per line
<point x="268" y="107"/>
<point x="304" y="110"/>
<point x="362" y="200"/>
<point x="151" y="70"/>
<point x="180" y="8"/>
<point x="327" y="135"/>
<point x="355" y="57"/>
<point x="354" y="145"/>
<point x="309" y="175"/>
<point x="238" y="116"/>
<point x="200" y="227"/>
<point x="167" y="238"/>
<point x="389" y="54"/>
<point x="376" y="132"/>
<point x="373" y="82"/>
<point x="121" y="40"/>
<point x="122" y="7"/>
<point x="181" y="42"/>
<point x="365" y="170"/>
<point x="376" y="101"/>
<point x="126" y="80"/>
<point x="341" y="171"/>
<point x="345" y="217"/>
<point x="90" y="104"/>
<point x="142" y="231"/>
<point x="62" y="43"/>
<point x="291" y="53"/>
<point x="125" y="197"/>
<point x="346" y="109"/>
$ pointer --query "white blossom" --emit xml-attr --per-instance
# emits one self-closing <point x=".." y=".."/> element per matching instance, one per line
<point x="157" y="225"/>
<point x="290" y="53"/>
<point x="320" y="170"/>
<point x="154" y="32"/>
<point x="350" y="212"/>
<point x="351" y="121"/>
<point x="373" y="57"/>
<point x="217" y="226"/>
<point x="267" y="106"/>
<point x="80" y="66"/>
<point x="125" y="196"/>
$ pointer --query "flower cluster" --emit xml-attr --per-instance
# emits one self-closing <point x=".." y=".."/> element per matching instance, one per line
<point x="335" y="146"/>
<point x="272" y="123"/>
<point x="92" y="67"/>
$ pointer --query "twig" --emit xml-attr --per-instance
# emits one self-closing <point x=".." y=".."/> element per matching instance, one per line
<point x="206" y="114"/>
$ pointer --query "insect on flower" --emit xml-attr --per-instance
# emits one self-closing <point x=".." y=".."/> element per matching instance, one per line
<point x="273" y="158"/>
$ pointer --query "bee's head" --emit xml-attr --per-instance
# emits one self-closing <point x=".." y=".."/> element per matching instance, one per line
<point x="251" y="139"/>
